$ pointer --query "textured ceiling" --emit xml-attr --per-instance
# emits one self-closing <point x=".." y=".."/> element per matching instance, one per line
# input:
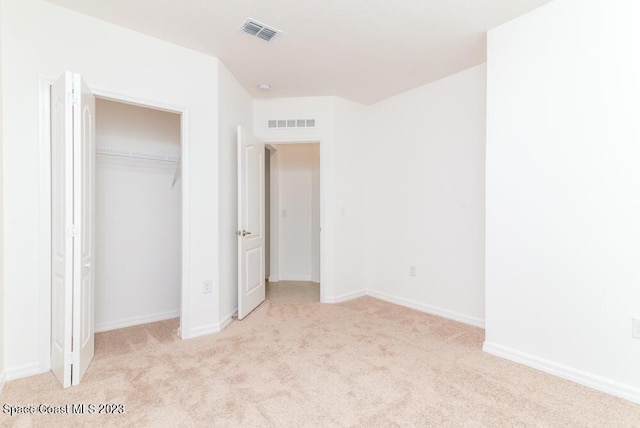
<point x="363" y="50"/>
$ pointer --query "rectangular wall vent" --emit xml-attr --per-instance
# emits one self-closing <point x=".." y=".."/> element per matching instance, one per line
<point x="291" y="123"/>
<point x="258" y="29"/>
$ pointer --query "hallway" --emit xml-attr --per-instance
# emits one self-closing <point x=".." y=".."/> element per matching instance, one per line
<point x="293" y="291"/>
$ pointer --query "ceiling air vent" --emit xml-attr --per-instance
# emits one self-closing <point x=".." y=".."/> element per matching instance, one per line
<point x="258" y="29"/>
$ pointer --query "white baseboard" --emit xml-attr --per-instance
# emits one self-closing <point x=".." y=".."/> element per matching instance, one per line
<point x="129" y="322"/>
<point x="599" y="383"/>
<point x="3" y="380"/>
<point x="429" y="309"/>
<point x="202" y="331"/>
<point x="25" y="370"/>
<point x="295" y="278"/>
<point x="307" y="278"/>
<point x="344" y="297"/>
<point x="210" y="328"/>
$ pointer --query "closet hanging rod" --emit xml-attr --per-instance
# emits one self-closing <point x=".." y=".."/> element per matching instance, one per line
<point x="136" y="155"/>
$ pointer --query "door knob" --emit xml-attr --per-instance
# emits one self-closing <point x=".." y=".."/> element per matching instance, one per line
<point x="243" y="232"/>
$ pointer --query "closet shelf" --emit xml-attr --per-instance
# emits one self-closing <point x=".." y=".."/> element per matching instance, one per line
<point x="136" y="155"/>
<point x="148" y="156"/>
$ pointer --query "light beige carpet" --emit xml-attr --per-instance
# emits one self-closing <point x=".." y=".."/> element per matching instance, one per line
<point x="361" y="363"/>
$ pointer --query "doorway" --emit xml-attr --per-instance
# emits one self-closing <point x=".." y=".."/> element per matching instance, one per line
<point x="68" y="190"/>
<point x="138" y="215"/>
<point x="293" y="235"/>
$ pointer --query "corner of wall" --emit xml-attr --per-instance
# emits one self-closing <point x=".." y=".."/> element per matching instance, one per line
<point x="574" y="306"/>
<point x="346" y="296"/>
<point x="590" y="380"/>
<point x="235" y="107"/>
<point x="408" y="189"/>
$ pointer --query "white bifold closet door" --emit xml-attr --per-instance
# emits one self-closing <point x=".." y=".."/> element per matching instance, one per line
<point x="72" y="224"/>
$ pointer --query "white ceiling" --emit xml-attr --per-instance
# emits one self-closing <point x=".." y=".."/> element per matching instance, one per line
<point x="363" y="50"/>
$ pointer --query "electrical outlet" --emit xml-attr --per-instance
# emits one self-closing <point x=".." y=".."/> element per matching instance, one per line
<point x="412" y="270"/>
<point x="207" y="286"/>
<point x="635" y="328"/>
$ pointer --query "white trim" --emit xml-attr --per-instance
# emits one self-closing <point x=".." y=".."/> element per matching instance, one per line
<point x="599" y="383"/>
<point x="44" y="237"/>
<point x="3" y="380"/>
<point x="129" y="322"/>
<point x="24" y="370"/>
<point x="205" y="329"/>
<point x="344" y="297"/>
<point x="285" y="277"/>
<point x="136" y="101"/>
<point x="273" y="278"/>
<point x="429" y="309"/>
<point x="185" y="292"/>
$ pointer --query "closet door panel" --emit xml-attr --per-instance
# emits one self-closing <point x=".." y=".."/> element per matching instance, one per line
<point x="84" y="209"/>
<point x="61" y="227"/>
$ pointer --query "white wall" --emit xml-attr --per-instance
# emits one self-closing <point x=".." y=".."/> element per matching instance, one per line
<point x="315" y="213"/>
<point x="425" y="197"/>
<point x="403" y="185"/>
<point x="351" y="150"/>
<point x="40" y="39"/>
<point x="235" y="108"/>
<point x="138" y="217"/>
<point x="299" y="212"/>
<point x="563" y="265"/>
<point x="2" y="309"/>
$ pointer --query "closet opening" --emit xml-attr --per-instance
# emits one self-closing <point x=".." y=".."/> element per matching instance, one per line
<point x="292" y="237"/>
<point x="138" y="216"/>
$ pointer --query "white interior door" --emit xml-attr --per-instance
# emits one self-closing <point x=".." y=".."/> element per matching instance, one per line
<point x="72" y="208"/>
<point x="251" y="256"/>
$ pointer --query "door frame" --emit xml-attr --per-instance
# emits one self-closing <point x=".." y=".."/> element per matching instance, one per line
<point x="323" y="189"/>
<point x="44" y="216"/>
